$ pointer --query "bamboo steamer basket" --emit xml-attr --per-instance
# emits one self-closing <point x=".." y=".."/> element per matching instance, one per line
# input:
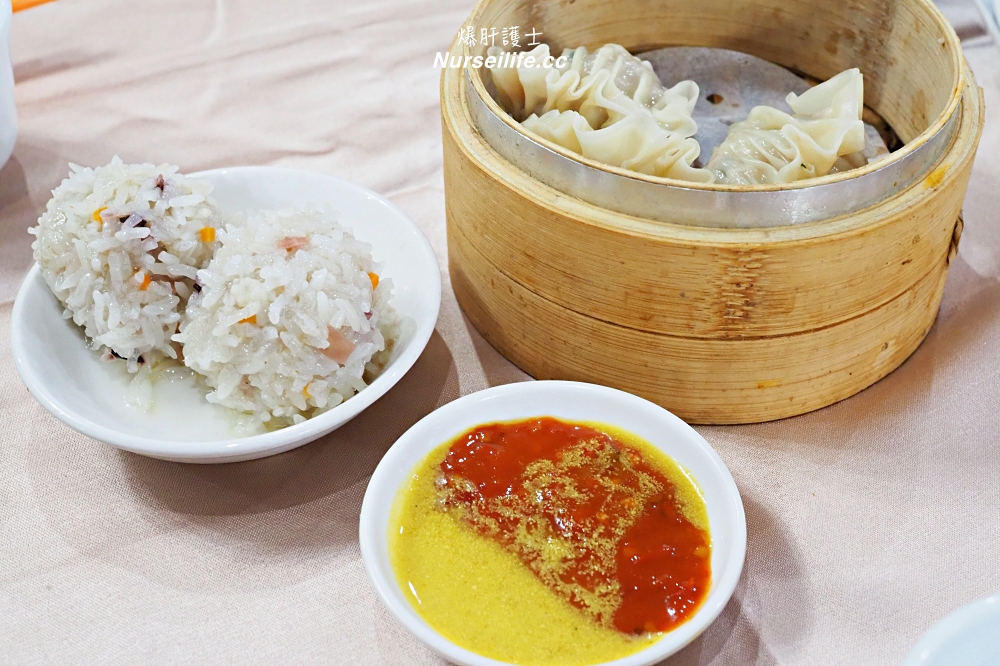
<point x="717" y="324"/>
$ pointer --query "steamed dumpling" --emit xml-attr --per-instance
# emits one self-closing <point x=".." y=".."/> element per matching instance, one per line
<point x="635" y="143"/>
<point x="608" y="106"/>
<point x="610" y="72"/>
<point x="774" y="147"/>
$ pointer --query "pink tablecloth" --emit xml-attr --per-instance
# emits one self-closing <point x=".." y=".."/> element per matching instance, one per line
<point x="867" y="520"/>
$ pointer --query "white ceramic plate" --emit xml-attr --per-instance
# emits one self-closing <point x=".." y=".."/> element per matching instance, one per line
<point x="969" y="636"/>
<point x="576" y="402"/>
<point x="88" y="394"/>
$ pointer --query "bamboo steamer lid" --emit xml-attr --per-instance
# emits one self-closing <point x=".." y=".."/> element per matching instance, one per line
<point x="719" y="325"/>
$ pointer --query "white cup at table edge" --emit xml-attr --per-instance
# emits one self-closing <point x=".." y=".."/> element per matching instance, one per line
<point x="8" y="109"/>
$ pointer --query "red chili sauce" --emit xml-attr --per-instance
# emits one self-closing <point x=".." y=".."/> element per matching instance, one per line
<point x="587" y="513"/>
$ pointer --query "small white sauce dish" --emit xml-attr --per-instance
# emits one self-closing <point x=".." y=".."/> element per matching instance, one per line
<point x="572" y="401"/>
<point x="89" y="394"/>
<point x="969" y="636"/>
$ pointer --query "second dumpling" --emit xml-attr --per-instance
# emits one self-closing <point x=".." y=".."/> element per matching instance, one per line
<point x="774" y="147"/>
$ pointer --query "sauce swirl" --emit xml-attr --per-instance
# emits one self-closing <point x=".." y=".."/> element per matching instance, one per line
<point x="594" y="519"/>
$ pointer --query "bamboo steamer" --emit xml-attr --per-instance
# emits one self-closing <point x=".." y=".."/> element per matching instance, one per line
<point x="719" y="325"/>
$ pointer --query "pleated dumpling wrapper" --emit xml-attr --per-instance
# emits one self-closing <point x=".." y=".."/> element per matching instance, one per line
<point x="772" y="147"/>
<point x="608" y="106"/>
